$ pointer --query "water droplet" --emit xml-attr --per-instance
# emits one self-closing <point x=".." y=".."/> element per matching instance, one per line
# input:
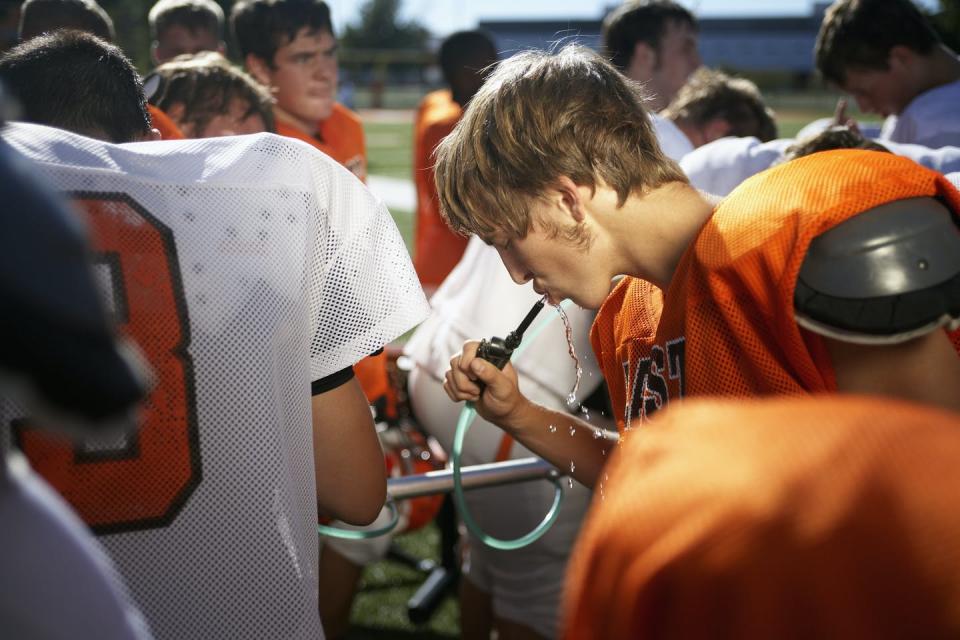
<point x="552" y="428"/>
<point x="923" y="265"/>
<point x="585" y="412"/>
<point x="573" y="467"/>
<point x="597" y="434"/>
<point x="570" y="482"/>
<point x="573" y="430"/>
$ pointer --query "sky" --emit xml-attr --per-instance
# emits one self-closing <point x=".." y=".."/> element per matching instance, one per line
<point x="445" y="16"/>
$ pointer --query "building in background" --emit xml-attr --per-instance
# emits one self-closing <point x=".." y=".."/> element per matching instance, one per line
<point x="744" y="44"/>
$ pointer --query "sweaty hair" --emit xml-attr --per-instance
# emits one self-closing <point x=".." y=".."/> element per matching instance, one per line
<point x="75" y="81"/>
<point x="640" y="21"/>
<point x="193" y="15"/>
<point x="261" y="27"/>
<point x="858" y="34"/>
<point x="837" y="137"/>
<point x="44" y="16"/>
<point x="710" y="95"/>
<point x="538" y="117"/>
<point x="206" y="84"/>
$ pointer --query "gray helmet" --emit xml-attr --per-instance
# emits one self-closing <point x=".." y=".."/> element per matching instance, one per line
<point x="884" y="276"/>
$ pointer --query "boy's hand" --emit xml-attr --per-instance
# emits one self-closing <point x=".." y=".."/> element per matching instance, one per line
<point x="500" y="401"/>
<point x="841" y="119"/>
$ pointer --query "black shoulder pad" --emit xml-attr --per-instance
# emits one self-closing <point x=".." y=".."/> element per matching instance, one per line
<point x="886" y="275"/>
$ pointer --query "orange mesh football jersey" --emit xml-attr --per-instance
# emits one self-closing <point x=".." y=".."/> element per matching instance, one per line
<point x="437" y="249"/>
<point x="727" y="325"/>
<point x="340" y="136"/>
<point x="788" y="518"/>
<point x="161" y="122"/>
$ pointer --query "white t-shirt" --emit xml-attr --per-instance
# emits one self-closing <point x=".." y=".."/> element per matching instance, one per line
<point x="932" y="119"/>
<point x="244" y="268"/>
<point x="720" y="166"/>
<point x="674" y="142"/>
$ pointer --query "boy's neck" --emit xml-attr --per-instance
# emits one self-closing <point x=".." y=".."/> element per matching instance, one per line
<point x="657" y="229"/>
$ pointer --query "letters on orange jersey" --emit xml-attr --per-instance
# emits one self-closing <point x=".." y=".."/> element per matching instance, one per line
<point x="653" y="380"/>
<point x="143" y="481"/>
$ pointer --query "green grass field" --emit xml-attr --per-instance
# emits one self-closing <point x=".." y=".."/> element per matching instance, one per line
<point x="380" y="608"/>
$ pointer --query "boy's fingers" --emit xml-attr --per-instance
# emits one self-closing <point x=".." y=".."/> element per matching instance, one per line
<point x="840" y="112"/>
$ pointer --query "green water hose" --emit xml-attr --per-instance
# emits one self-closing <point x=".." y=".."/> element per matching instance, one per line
<point x="467" y="415"/>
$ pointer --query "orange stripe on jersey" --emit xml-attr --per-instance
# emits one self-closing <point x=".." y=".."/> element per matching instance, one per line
<point x="727" y="326"/>
<point x="779" y="518"/>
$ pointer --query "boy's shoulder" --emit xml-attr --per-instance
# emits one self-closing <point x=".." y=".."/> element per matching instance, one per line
<point x="342" y="116"/>
<point x="779" y="211"/>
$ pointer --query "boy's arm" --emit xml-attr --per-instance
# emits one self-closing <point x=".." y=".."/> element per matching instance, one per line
<point x="924" y="370"/>
<point x="350" y="472"/>
<point x="558" y="437"/>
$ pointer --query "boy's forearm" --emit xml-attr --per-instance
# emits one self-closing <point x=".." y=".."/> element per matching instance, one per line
<point x="562" y="439"/>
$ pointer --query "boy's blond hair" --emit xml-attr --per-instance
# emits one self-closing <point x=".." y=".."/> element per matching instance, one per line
<point x="538" y="117"/>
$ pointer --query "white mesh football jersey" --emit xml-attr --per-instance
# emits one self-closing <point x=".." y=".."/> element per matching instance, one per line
<point x="244" y="268"/>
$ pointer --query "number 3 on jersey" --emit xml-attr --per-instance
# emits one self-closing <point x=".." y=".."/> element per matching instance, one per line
<point x="144" y="481"/>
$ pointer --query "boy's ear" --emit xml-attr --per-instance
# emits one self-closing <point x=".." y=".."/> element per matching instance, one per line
<point x="901" y="58"/>
<point x="570" y="198"/>
<point x="258" y="69"/>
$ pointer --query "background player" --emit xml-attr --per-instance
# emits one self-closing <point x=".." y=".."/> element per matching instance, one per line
<point x="576" y="215"/>
<point x="289" y="47"/>
<point x="655" y="43"/>
<point x="35" y="72"/>
<point x="465" y="58"/>
<point x="889" y="58"/>
<point x="712" y="105"/>
<point x="236" y="441"/>
<point x="43" y="16"/>
<point x="206" y="96"/>
<point x="178" y="27"/>
<point x="786" y="518"/>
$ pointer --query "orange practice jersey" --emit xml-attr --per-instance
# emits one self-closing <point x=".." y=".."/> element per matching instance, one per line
<point x="726" y="326"/>
<point x="437" y="249"/>
<point x="340" y="136"/>
<point x="168" y="128"/>
<point x="788" y="518"/>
